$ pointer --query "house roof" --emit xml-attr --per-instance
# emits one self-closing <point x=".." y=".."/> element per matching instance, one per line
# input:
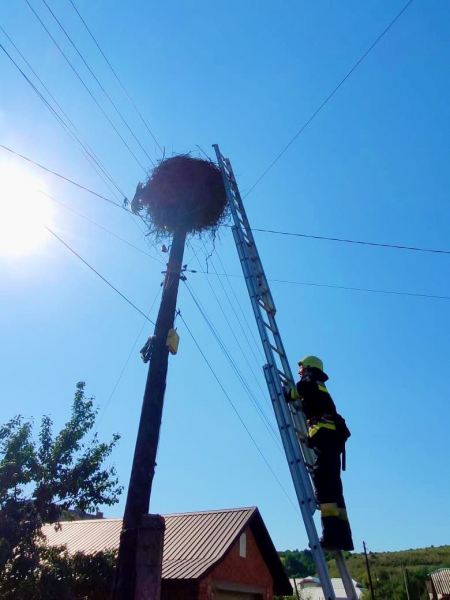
<point x="312" y="584"/>
<point x="193" y="542"/>
<point x="441" y="581"/>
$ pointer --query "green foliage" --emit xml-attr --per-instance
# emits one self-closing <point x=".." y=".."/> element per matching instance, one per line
<point x="386" y="568"/>
<point x="387" y="571"/>
<point x="298" y="563"/>
<point x="40" y="480"/>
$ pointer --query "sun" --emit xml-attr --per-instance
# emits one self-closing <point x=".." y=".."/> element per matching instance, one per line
<point x="23" y="211"/>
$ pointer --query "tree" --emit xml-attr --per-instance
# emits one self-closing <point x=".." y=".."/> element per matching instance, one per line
<point x="40" y="480"/>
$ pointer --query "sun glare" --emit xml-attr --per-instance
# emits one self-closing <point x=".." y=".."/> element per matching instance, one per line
<point x="23" y="211"/>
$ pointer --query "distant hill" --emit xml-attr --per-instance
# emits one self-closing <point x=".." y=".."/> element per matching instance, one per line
<point x="386" y="569"/>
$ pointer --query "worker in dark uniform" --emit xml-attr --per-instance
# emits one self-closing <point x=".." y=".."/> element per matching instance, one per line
<point x="327" y="434"/>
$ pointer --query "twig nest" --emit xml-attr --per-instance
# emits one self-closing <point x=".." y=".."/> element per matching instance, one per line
<point x="184" y="193"/>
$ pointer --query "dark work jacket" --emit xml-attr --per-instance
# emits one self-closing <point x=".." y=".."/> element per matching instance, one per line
<point x="315" y="402"/>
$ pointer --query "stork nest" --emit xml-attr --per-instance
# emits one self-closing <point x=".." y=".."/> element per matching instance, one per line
<point x="183" y="193"/>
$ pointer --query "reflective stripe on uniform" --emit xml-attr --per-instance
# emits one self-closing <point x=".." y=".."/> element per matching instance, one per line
<point x="343" y="514"/>
<point x="295" y="395"/>
<point x="322" y="387"/>
<point x="315" y="428"/>
<point x="329" y="509"/>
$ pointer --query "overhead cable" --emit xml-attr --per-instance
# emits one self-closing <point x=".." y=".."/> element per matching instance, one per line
<point x="75" y="135"/>
<point x="98" y="82"/>
<point x="87" y="89"/>
<point x="79" y="185"/>
<point x="101" y="227"/>
<point x="343" y="287"/>
<point x="329" y="97"/>
<point x="127" y="361"/>
<point x="117" y="77"/>
<point x="237" y="414"/>
<point x="348" y="241"/>
<point x="266" y="422"/>
<point x="97" y="273"/>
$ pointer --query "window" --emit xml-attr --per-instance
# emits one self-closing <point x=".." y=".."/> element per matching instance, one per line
<point x="243" y="545"/>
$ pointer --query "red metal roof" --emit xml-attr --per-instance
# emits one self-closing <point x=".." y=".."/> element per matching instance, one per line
<point x="193" y="542"/>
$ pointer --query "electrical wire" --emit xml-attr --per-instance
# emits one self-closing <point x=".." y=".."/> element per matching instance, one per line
<point x="101" y="227"/>
<point x="87" y="89"/>
<point x="238" y="415"/>
<point x="62" y="177"/>
<point x="231" y="328"/>
<point x="330" y="96"/>
<point x="97" y="273"/>
<point x="342" y="287"/>
<point x="117" y="77"/>
<point x="266" y="422"/>
<point x="98" y="82"/>
<point x="75" y="135"/>
<point x="256" y="342"/>
<point x="126" y="362"/>
<point x="348" y="241"/>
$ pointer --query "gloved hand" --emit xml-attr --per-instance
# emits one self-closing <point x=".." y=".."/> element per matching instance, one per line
<point x="287" y="393"/>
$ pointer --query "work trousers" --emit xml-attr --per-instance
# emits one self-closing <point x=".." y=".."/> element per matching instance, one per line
<point x="327" y="468"/>
<point x="329" y="493"/>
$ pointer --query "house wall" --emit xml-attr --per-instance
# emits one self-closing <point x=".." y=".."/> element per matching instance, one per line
<point x="249" y="572"/>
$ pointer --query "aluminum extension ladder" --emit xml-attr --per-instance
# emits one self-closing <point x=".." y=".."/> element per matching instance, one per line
<point x="277" y="371"/>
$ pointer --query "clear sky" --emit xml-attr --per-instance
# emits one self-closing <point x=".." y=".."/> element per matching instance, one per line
<point x="373" y="165"/>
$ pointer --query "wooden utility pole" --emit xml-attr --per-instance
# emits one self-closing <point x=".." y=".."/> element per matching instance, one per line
<point x="372" y="593"/>
<point x="144" y="461"/>
<point x="406" y="577"/>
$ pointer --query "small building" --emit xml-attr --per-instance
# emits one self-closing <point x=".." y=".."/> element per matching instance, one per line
<point x="438" y="586"/>
<point x="211" y="555"/>
<point x="309" y="588"/>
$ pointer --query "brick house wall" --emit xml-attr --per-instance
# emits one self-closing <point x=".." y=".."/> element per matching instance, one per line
<point x="250" y="570"/>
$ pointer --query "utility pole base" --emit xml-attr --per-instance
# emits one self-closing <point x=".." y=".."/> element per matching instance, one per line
<point x="141" y="549"/>
<point x="149" y="557"/>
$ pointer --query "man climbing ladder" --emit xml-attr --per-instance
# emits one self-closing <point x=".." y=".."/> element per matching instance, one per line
<point x="327" y="434"/>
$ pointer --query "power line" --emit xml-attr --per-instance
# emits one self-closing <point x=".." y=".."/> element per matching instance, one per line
<point x="101" y="227"/>
<point x="237" y="413"/>
<point x="86" y="88"/>
<point x="75" y="135"/>
<point x="237" y="371"/>
<point x="348" y="241"/>
<point x="79" y="185"/>
<point x="117" y="77"/>
<point x="97" y="273"/>
<point x="342" y="287"/>
<point x="100" y="85"/>
<point x="127" y="360"/>
<point x="257" y="345"/>
<point x="329" y="97"/>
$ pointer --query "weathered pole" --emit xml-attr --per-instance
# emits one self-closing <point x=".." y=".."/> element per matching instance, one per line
<point x="144" y="461"/>
<point x="406" y="577"/>
<point x="372" y="593"/>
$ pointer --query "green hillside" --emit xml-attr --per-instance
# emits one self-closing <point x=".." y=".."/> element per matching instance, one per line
<point x="386" y="569"/>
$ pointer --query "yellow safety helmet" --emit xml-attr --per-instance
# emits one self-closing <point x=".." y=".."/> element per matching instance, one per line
<point x="310" y="362"/>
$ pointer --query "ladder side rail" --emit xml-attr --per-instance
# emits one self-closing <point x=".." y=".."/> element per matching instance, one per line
<point x="296" y="415"/>
<point x="255" y="292"/>
<point x="347" y="580"/>
<point x="301" y="480"/>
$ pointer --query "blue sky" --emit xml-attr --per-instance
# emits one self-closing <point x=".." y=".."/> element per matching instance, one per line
<point x="372" y="165"/>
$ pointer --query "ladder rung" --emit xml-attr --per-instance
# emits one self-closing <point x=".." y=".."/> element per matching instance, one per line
<point x="263" y="305"/>
<point x="275" y="349"/>
<point x="274" y="331"/>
